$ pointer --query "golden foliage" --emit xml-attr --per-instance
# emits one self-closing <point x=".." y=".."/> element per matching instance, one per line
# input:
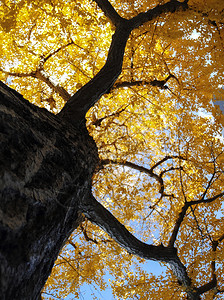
<point x="55" y="44"/>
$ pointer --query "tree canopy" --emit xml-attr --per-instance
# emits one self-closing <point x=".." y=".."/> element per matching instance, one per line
<point x="159" y="136"/>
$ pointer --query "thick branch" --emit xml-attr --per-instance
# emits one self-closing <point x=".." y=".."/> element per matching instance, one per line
<point x="169" y="7"/>
<point x="109" y="11"/>
<point x="75" y="109"/>
<point x="100" y="216"/>
<point x="122" y="84"/>
<point x="177" y="225"/>
<point x="157" y="83"/>
<point x="207" y="287"/>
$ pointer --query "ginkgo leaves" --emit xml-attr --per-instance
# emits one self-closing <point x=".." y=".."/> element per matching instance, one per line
<point x="162" y="142"/>
<point x="56" y="36"/>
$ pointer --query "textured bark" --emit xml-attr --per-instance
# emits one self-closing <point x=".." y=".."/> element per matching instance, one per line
<point x="46" y="167"/>
<point x="45" y="171"/>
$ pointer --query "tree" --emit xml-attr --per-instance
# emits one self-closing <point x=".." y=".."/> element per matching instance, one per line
<point x="142" y="74"/>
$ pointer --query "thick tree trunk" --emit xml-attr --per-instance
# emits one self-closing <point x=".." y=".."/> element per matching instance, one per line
<point x="46" y="169"/>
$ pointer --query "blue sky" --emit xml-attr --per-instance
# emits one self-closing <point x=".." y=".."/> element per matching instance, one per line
<point x="87" y="292"/>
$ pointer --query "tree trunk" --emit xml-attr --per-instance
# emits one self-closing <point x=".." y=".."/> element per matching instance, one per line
<point x="46" y="168"/>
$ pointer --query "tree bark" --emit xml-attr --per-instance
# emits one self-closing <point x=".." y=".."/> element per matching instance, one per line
<point x="46" y="168"/>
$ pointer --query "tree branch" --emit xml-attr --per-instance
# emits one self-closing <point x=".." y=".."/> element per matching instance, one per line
<point x="138" y="168"/>
<point x="16" y="74"/>
<point x="207" y="287"/>
<point x="170" y="169"/>
<point x="169" y="7"/>
<point x="109" y="11"/>
<point x="167" y="157"/>
<point x="182" y="215"/>
<point x="100" y="216"/>
<point x="118" y="85"/>
<point x="86" y="235"/>
<point x="209" y="183"/>
<point x="150" y="172"/>
<point x="157" y="83"/>
<point x="209" y="200"/>
<point x="221" y="238"/>
<point x="98" y="122"/>
<point x="178" y="224"/>
<point x="39" y="74"/>
<point x="213" y="283"/>
<point x="75" y="109"/>
<point x="45" y="58"/>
